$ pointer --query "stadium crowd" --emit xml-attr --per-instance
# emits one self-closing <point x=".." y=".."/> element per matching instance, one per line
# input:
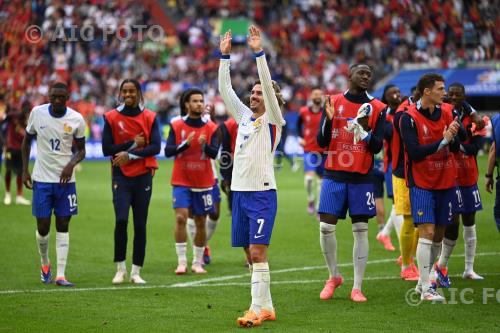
<point x="312" y="44"/>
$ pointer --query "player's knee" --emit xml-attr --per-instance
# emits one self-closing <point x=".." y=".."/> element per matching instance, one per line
<point x="215" y="215"/>
<point x="451" y="232"/>
<point x="327" y="218"/>
<point x="62" y="224"/>
<point x="258" y="253"/>
<point x="326" y="229"/>
<point x="43" y="230"/>
<point x="469" y="219"/>
<point x="359" y="219"/>
<point x="43" y="226"/>
<point x="140" y="229"/>
<point x="427" y="233"/>
<point x="180" y="219"/>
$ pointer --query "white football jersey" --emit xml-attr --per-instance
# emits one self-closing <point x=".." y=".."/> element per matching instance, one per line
<point x="257" y="139"/>
<point x="54" y="138"/>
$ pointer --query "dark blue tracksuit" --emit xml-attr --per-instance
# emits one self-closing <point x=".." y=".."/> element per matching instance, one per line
<point x="132" y="192"/>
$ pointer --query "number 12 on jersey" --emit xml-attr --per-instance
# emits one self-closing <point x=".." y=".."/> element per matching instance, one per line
<point x="54" y="144"/>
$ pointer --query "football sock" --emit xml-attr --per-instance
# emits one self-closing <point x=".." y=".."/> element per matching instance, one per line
<point x="181" y="249"/>
<point x="261" y="283"/>
<point x="360" y="252"/>
<point x="423" y="258"/>
<point x="328" y="242"/>
<point x="406" y="240"/>
<point x="210" y="228"/>
<point x="62" y="248"/>
<point x="43" y="247"/>
<point x="136" y="270"/>
<point x="198" y="254"/>
<point x="308" y="183"/>
<point x="446" y="251"/>
<point x="191" y="228"/>
<point x="470" y="242"/>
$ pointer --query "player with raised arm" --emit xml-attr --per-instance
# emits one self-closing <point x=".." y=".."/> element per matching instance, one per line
<point x="55" y="127"/>
<point x="253" y="183"/>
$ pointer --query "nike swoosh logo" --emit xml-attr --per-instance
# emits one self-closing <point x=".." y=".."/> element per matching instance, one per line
<point x="147" y="188"/>
<point x="72" y="209"/>
<point x="477" y="205"/>
<point x="360" y="258"/>
<point x="42" y="127"/>
<point x="371" y="208"/>
<point x="256" y="237"/>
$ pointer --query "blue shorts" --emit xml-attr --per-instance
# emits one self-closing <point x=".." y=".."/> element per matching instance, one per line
<point x="337" y="197"/>
<point x="216" y="197"/>
<point x="432" y="206"/>
<point x="378" y="183"/>
<point x="54" y="196"/>
<point x="314" y="161"/>
<point x="388" y="181"/>
<point x="469" y="200"/>
<point x="200" y="203"/>
<point x="253" y="217"/>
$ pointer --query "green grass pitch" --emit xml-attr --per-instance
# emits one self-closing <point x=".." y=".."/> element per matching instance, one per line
<point x="211" y="303"/>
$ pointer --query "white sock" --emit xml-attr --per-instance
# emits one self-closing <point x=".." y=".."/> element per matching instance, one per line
<point x="62" y="248"/>
<point x="43" y="247"/>
<point x="120" y="266"/>
<point x="261" y="292"/>
<point x="308" y="183"/>
<point x="198" y="254"/>
<point x="181" y="249"/>
<point x="136" y="270"/>
<point x="423" y="255"/>
<point x="386" y="230"/>
<point x="191" y="229"/>
<point x="397" y="220"/>
<point x="359" y="252"/>
<point x="328" y="242"/>
<point x="470" y="242"/>
<point x="448" y="246"/>
<point x="210" y="228"/>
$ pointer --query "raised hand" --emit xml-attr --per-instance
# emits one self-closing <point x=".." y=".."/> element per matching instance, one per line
<point x="329" y="108"/>
<point x="254" y="40"/>
<point x="225" y="42"/>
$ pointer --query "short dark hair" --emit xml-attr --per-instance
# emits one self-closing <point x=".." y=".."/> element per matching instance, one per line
<point x="387" y="87"/>
<point x="59" y="85"/>
<point x="427" y="81"/>
<point x="137" y="86"/>
<point x="359" y="64"/>
<point x="186" y="94"/>
<point x="457" y="85"/>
